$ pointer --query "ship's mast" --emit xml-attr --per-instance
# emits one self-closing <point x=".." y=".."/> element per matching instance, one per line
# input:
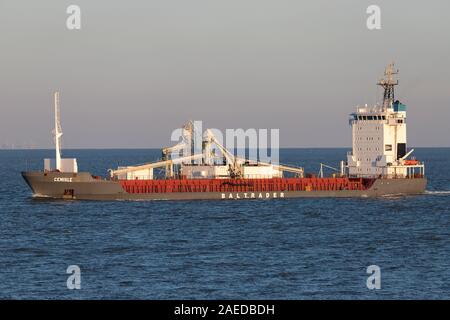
<point x="57" y="132"/>
<point x="388" y="83"/>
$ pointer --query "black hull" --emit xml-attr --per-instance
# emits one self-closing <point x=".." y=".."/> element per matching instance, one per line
<point x="83" y="186"/>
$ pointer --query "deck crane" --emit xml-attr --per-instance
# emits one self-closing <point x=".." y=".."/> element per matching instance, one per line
<point x="167" y="155"/>
<point x="232" y="161"/>
<point x="406" y="155"/>
<point x="185" y="145"/>
<point x="322" y="165"/>
<point x="207" y="157"/>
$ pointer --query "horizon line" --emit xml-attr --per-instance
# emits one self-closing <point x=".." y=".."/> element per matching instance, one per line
<point x="159" y="148"/>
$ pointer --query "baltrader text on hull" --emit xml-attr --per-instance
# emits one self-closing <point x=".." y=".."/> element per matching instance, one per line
<point x="379" y="164"/>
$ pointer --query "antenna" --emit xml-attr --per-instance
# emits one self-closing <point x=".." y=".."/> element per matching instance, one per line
<point x="388" y="83"/>
<point x="57" y="132"/>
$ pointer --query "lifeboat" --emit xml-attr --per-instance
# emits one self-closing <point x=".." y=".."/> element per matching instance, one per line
<point x="411" y="162"/>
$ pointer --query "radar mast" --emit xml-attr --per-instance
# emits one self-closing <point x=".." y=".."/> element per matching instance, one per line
<point x="57" y="132"/>
<point x="388" y="83"/>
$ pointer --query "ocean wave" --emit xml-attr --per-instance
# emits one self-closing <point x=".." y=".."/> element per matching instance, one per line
<point x="438" y="192"/>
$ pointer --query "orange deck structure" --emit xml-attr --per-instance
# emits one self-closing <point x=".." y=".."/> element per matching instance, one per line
<point x="245" y="185"/>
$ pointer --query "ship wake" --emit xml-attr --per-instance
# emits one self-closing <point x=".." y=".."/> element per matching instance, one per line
<point x="438" y="192"/>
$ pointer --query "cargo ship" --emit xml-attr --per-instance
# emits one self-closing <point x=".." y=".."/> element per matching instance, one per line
<point x="378" y="165"/>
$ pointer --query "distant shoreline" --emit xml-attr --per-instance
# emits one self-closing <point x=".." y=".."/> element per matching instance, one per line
<point x="155" y="148"/>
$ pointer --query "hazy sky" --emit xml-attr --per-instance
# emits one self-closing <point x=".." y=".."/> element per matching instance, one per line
<point x="138" y="69"/>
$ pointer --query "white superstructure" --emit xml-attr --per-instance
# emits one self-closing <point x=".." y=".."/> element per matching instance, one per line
<point x="379" y="137"/>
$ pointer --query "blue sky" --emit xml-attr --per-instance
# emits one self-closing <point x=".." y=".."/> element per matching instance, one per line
<point x="138" y="69"/>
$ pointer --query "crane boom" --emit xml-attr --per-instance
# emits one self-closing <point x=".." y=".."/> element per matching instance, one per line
<point x="228" y="155"/>
<point x="154" y="165"/>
